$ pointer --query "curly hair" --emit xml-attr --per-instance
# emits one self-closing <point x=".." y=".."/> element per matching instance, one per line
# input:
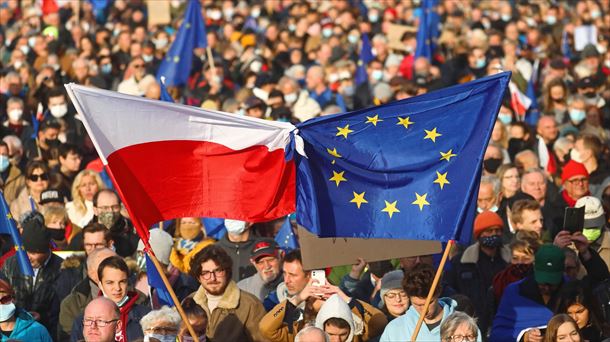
<point x="418" y="281"/>
<point x="214" y="253"/>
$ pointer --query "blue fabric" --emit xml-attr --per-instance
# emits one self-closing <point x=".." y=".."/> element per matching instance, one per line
<point x="27" y="329"/>
<point x="366" y="55"/>
<point x="392" y="166"/>
<point x="7" y="226"/>
<point x="214" y="227"/>
<point x="155" y="281"/>
<point x="427" y="31"/>
<point x="285" y="236"/>
<point x="517" y="313"/>
<point x="176" y="65"/>
<point x="533" y="113"/>
<point x="566" y="50"/>
<point x="326" y="98"/>
<point x="165" y="96"/>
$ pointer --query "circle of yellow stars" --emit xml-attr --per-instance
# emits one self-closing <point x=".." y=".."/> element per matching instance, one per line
<point x="391" y="207"/>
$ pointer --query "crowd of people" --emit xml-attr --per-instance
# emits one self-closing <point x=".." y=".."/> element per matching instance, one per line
<point x="527" y="276"/>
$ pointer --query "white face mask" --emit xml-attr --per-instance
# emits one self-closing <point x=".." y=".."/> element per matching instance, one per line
<point x="7" y="311"/>
<point x="291" y="98"/>
<point x="235" y="227"/>
<point x="575" y="156"/>
<point x="59" y="111"/>
<point x="161" y="338"/>
<point x="15" y="115"/>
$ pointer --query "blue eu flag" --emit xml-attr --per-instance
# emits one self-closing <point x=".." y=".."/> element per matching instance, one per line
<point x="405" y="170"/>
<point x="427" y="30"/>
<point x="214" y="227"/>
<point x="366" y="55"/>
<point x="7" y="226"/>
<point x="165" y="95"/>
<point x="285" y="237"/>
<point x="155" y="281"/>
<point x="176" y="65"/>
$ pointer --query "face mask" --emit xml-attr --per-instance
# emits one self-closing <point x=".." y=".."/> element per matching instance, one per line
<point x="25" y="49"/>
<point x="108" y="219"/>
<point x="352" y="39"/>
<point x="7" y="311"/>
<point x="32" y="41"/>
<point x="292" y="27"/>
<point x="607" y="63"/>
<point x="256" y="66"/>
<point x="595" y="14"/>
<point x="373" y="17"/>
<point x="141" y="262"/>
<point x="161" y="338"/>
<point x="235" y="227"/>
<point x="590" y="94"/>
<point x="290" y="98"/>
<point x="491" y="241"/>
<point x="492" y="209"/>
<point x="349" y="90"/>
<point x="505" y="17"/>
<point x="57" y="234"/>
<point x="551" y="20"/>
<point x="505" y="118"/>
<point x="592" y="234"/>
<point x="62" y="137"/>
<point x="327" y="32"/>
<point x="106" y="68"/>
<point x="190" y="339"/>
<point x="377" y="75"/>
<point x="18" y="64"/>
<point x="228" y="13"/>
<point x="491" y="165"/>
<point x="215" y="15"/>
<point x="530" y="22"/>
<point x="52" y="142"/>
<point x="160" y="43"/>
<point x="147" y="58"/>
<point x="577" y="115"/>
<point x="58" y="111"/>
<point x="15" y="115"/>
<point x="4" y="163"/>
<point x="480" y="63"/>
<point x="256" y="12"/>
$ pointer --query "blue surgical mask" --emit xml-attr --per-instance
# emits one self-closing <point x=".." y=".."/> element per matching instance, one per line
<point x="106" y="68"/>
<point x="4" y="163"/>
<point x="551" y="20"/>
<point x="506" y="17"/>
<point x="161" y="338"/>
<point x="577" y="115"/>
<point x="377" y="75"/>
<point x="480" y="63"/>
<point x="352" y="39"/>
<point x="506" y="118"/>
<point x="327" y="32"/>
<point x="7" y="311"/>
<point x="373" y="17"/>
<point x="348" y="90"/>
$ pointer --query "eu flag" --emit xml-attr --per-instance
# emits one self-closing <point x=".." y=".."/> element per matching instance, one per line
<point x="366" y="55"/>
<point x="427" y="30"/>
<point x="214" y="227"/>
<point x="155" y="281"/>
<point x="176" y="65"/>
<point x="405" y="170"/>
<point x="533" y="113"/>
<point x="285" y="237"/>
<point x="7" y="226"/>
<point x="165" y="95"/>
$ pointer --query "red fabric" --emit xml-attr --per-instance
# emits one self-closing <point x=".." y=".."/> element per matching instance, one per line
<point x="6" y="256"/>
<point x="214" y="181"/>
<point x="569" y="200"/>
<point x="551" y="166"/>
<point x="573" y="168"/>
<point x="49" y="6"/>
<point x="510" y="274"/>
<point x="95" y="165"/>
<point x="406" y="67"/>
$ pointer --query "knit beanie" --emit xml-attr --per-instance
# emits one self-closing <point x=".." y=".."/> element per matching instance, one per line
<point x="572" y="169"/>
<point x="35" y="236"/>
<point x="485" y="220"/>
<point x="161" y="243"/>
<point x="391" y="280"/>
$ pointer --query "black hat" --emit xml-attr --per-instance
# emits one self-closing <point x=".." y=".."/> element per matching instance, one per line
<point x="50" y="196"/>
<point x="589" y="51"/>
<point x="587" y="82"/>
<point x="558" y="63"/>
<point x="35" y="236"/>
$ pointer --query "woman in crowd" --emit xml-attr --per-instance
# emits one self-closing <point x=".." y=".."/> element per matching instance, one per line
<point x="190" y="238"/>
<point x="80" y="209"/>
<point x="579" y="307"/>
<point x="161" y="325"/>
<point x="510" y="182"/>
<point x="394" y="299"/>
<point x="459" y="327"/>
<point x="36" y="181"/>
<point x="562" y="328"/>
<point x="197" y="318"/>
<point x="55" y="219"/>
<point x="555" y="100"/>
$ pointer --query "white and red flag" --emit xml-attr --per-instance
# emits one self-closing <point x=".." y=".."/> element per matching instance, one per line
<point x="519" y="101"/>
<point x="171" y="160"/>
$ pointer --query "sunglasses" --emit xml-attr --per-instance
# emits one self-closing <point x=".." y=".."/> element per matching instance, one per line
<point x="42" y="176"/>
<point x="6" y="299"/>
<point x="138" y="66"/>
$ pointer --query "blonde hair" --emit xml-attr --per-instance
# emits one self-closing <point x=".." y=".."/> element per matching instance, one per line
<point x="52" y="213"/>
<point x="77" y="199"/>
<point x="526" y="242"/>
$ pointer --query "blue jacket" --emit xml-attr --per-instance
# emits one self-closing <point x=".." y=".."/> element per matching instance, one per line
<point x="27" y="329"/>
<point x="401" y="328"/>
<point x="517" y="313"/>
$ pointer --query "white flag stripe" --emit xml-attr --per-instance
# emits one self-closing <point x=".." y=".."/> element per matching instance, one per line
<point x="117" y="120"/>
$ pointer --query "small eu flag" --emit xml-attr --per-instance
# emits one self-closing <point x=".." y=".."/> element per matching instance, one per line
<point x="427" y="31"/>
<point x="155" y="281"/>
<point x="366" y="55"/>
<point x="176" y="66"/>
<point x="165" y="95"/>
<point x="285" y="237"/>
<point x="214" y="227"/>
<point x="7" y="226"/>
<point x="405" y="170"/>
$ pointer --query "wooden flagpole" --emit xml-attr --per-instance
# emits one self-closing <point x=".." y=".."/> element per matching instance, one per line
<point x="437" y="278"/>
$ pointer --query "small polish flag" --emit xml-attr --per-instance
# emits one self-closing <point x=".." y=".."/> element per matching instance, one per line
<point x="519" y="101"/>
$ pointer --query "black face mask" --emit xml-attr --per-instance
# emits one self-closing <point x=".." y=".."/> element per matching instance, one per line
<point x="57" y="234"/>
<point x="491" y="165"/>
<point x="52" y="142"/>
<point x="590" y="94"/>
<point x="515" y="146"/>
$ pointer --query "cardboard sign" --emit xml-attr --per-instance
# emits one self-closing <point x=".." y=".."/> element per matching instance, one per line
<point x="158" y="12"/>
<point x="319" y="253"/>
<point x="395" y="33"/>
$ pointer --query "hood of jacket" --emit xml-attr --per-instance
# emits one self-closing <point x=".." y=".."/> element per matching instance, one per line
<point x="24" y="320"/>
<point x="447" y="304"/>
<point x="471" y="254"/>
<point x="337" y="308"/>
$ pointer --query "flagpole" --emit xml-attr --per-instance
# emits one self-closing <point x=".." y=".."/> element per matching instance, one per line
<point x="437" y="278"/>
<point x="169" y="288"/>
<point x="208" y="49"/>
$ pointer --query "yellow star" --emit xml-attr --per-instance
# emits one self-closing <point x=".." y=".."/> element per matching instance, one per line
<point x="405" y="121"/>
<point x="432" y="135"/>
<point x="441" y="179"/>
<point x="338" y="177"/>
<point x="176" y="59"/>
<point x="344" y="131"/>
<point x="358" y="199"/>
<point x="447" y="155"/>
<point x="9" y="216"/>
<point x="421" y="201"/>
<point x="333" y="152"/>
<point x="373" y="119"/>
<point x="390" y="208"/>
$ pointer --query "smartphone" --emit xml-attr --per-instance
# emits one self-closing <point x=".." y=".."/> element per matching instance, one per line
<point x="574" y="219"/>
<point x="318" y="277"/>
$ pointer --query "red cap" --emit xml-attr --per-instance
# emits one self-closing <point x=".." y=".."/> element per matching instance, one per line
<point x="485" y="220"/>
<point x="572" y="169"/>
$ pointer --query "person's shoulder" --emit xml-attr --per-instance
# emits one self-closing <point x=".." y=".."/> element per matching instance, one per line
<point x="398" y="329"/>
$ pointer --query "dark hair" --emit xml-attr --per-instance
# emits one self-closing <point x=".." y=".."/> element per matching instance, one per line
<point x="36" y="164"/>
<point x="55" y="92"/>
<point x="50" y="123"/>
<point x="520" y="206"/>
<point x="2" y="143"/>
<point x="115" y="262"/>
<point x="214" y="253"/>
<point x="67" y="148"/>
<point x="337" y="322"/>
<point x="293" y="255"/>
<point x="95" y="227"/>
<point x="97" y="194"/>
<point x="576" y="294"/>
<point x="418" y="281"/>
<point x="192" y="309"/>
<point x="379" y="268"/>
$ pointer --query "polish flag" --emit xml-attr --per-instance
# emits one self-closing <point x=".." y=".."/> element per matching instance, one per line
<point x="519" y="101"/>
<point x="171" y="160"/>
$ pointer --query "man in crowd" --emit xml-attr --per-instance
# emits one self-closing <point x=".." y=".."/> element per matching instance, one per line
<point x="69" y="164"/>
<point x="233" y="314"/>
<point x="547" y="134"/>
<point x="47" y="140"/>
<point x="488" y="194"/>
<point x="526" y="215"/>
<point x="595" y="227"/>
<point x="101" y="321"/>
<point x="11" y="177"/>
<point x="267" y="258"/>
<point x="575" y="179"/>
<point x="238" y="243"/>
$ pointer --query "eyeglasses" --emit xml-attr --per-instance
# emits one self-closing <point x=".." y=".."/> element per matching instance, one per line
<point x="36" y="178"/>
<point x="579" y="181"/>
<point x="138" y="66"/>
<point x="98" y="322"/>
<point x="208" y="274"/>
<point x="463" y="338"/>
<point x="396" y="295"/>
<point x="6" y="299"/>
<point x="114" y="207"/>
